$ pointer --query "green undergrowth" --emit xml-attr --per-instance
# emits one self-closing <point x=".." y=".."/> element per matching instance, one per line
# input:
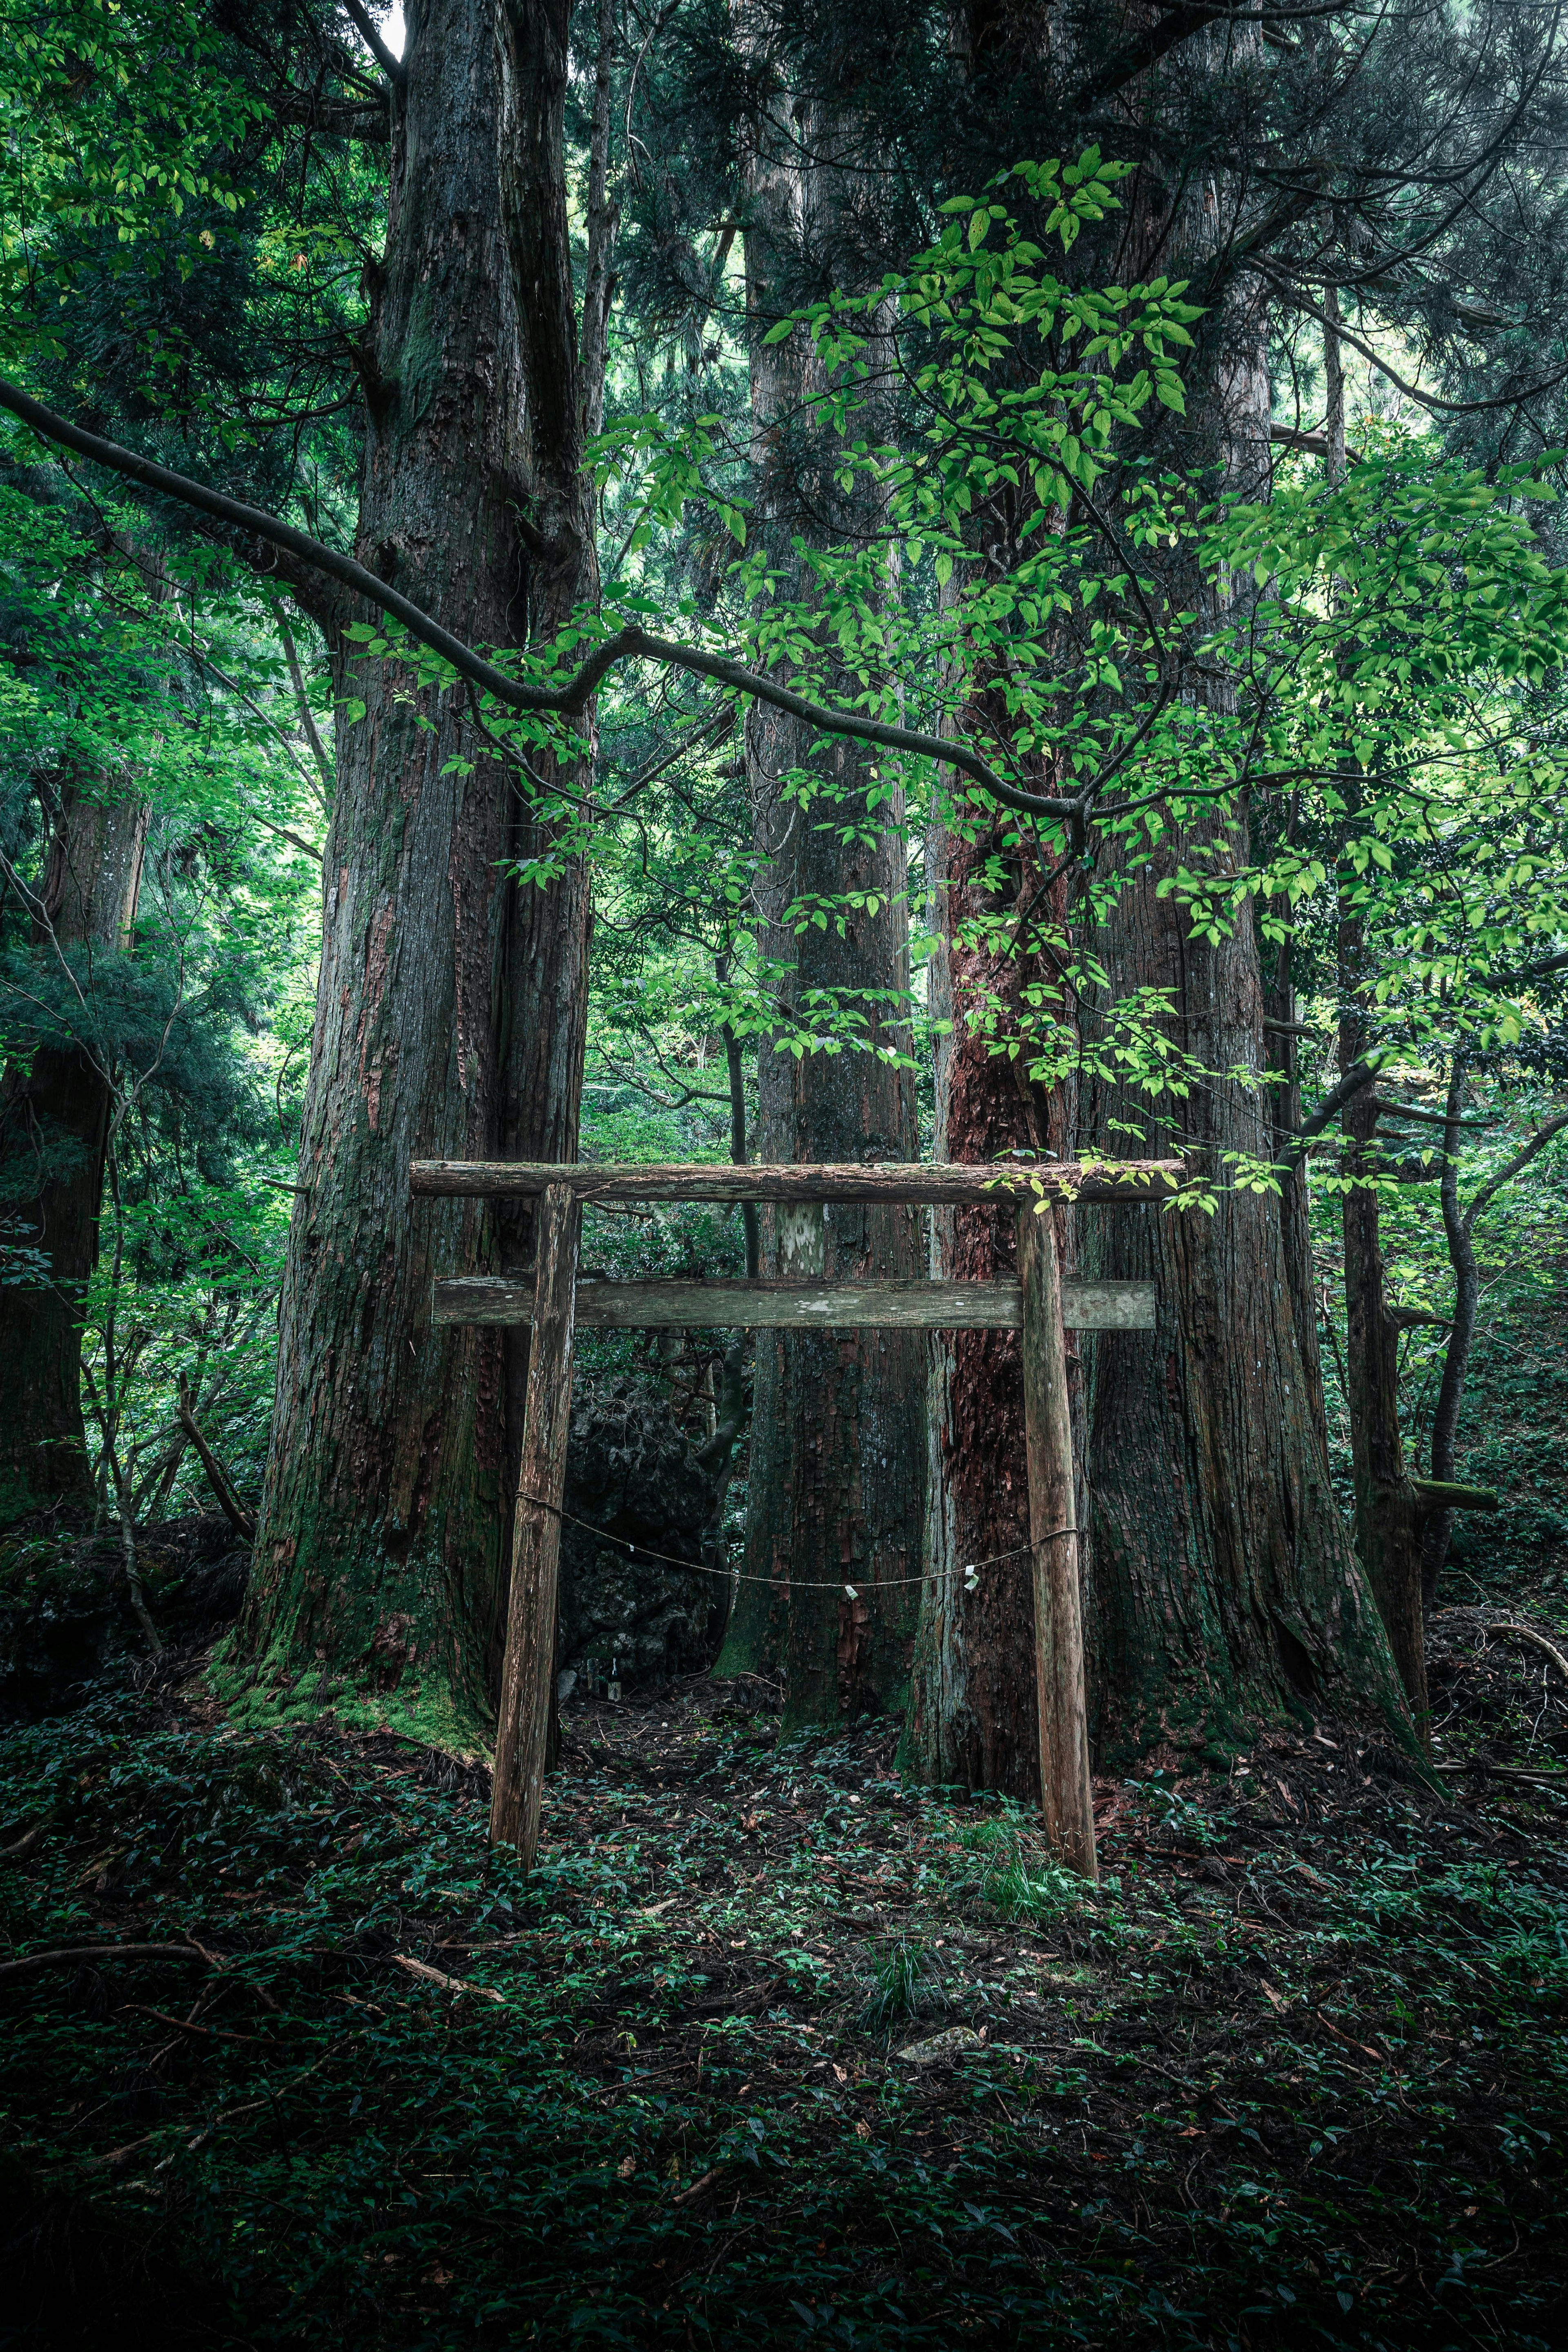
<point x="1292" y="2075"/>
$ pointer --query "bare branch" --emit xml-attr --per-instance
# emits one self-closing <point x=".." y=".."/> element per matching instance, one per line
<point x="1512" y="1167"/>
<point x="394" y="69"/>
<point x="1289" y="291"/>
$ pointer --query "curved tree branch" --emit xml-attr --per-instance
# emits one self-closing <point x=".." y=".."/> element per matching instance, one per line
<point x="1359" y="1075"/>
<point x="630" y="644"/>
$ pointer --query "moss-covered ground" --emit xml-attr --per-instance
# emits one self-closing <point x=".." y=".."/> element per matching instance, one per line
<point x="1294" y="2075"/>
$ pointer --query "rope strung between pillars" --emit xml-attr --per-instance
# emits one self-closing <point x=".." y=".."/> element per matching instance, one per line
<point x="971" y="1570"/>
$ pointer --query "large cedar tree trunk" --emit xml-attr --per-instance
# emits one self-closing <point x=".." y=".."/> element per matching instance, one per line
<point x="1223" y="1588"/>
<point x="450" y="1015"/>
<point x="55" y="1114"/>
<point x="838" y="1428"/>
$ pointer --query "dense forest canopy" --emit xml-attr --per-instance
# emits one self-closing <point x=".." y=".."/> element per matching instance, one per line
<point x="762" y="580"/>
<point x="771" y="403"/>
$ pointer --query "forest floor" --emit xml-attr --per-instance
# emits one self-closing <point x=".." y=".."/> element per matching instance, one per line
<point x="777" y="2048"/>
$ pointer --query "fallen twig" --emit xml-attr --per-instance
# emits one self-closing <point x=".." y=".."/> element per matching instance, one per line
<point x="448" y="1984"/>
<point x="188" y="2025"/>
<point x="73" y="1955"/>
<point x="1529" y="1634"/>
<point x="685" y="2196"/>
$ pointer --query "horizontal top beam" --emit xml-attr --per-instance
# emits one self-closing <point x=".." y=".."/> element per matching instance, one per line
<point x="833" y="1306"/>
<point x="1104" y="1182"/>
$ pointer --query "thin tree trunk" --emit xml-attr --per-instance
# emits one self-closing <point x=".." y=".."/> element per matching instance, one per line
<point x="838" y="1421"/>
<point x="228" y="1501"/>
<point x="1283" y="1063"/>
<point x="54" y="1130"/>
<point x="1459" y="1225"/>
<point x="1387" y="1514"/>
<point x="1438" y="1532"/>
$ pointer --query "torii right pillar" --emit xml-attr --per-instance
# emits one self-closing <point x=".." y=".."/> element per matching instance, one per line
<point x="1067" y="1792"/>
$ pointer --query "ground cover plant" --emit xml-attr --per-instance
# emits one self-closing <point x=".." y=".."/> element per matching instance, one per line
<point x="775" y="2045"/>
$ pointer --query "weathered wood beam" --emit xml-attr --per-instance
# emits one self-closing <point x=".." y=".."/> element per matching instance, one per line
<point x="522" y="1722"/>
<point x="1066" y="1788"/>
<point x="1103" y="1184"/>
<point x="838" y="1305"/>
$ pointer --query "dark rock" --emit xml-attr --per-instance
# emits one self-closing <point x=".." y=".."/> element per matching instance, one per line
<point x="64" y="1614"/>
<point x="61" y="1624"/>
<point x="633" y="1477"/>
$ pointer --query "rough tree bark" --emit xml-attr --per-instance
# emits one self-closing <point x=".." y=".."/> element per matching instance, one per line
<point x="1224" y="1589"/>
<point x="451" y="1006"/>
<point x="1221" y="1587"/>
<point x="833" y="1494"/>
<point x="972" y="1717"/>
<point x="55" y="1115"/>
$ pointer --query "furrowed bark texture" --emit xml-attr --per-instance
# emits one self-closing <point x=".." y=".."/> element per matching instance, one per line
<point x="973" y="1716"/>
<point x="837" y="1426"/>
<point x="544" y="1000"/>
<point x="450" y="1002"/>
<point x="53" y="1126"/>
<point x="1223" y="1588"/>
<point x="974" y="1711"/>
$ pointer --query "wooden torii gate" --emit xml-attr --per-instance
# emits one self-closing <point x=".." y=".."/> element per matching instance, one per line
<point x="1038" y="1303"/>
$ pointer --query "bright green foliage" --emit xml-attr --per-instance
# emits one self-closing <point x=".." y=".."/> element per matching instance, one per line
<point x="178" y="707"/>
<point x="1382" y="658"/>
<point x="116" y="115"/>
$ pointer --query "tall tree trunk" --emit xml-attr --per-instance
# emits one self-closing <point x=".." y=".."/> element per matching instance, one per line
<point x="55" y="1115"/>
<point x="834" y="1492"/>
<point x="1458" y="1224"/>
<point x="1283" y="1063"/>
<point x="544" y="1000"/>
<point x="1387" y="1515"/>
<point x="1223" y="1588"/>
<point x="972" y="1717"/>
<point x="1438" y="1531"/>
<point x="450" y="1010"/>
